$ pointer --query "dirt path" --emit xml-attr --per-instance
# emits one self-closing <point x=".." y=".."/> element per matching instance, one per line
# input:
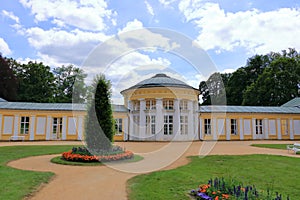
<point x="109" y="182"/>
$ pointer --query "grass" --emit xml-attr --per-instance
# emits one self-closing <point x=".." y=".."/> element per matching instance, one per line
<point x="60" y="160"/>
<point x="16" y="184"/>
<point x="273" y="146"/>
<point x="277" y="173"/>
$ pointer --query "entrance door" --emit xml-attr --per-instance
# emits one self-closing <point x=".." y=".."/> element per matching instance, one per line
<point x="56" y="128"/>
<point x="259" y="129"/>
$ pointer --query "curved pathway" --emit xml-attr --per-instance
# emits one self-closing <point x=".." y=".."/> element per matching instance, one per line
<point x="109" y="182"/>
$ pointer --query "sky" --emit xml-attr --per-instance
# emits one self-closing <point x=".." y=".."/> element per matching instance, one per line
<point x="131" y="40"/>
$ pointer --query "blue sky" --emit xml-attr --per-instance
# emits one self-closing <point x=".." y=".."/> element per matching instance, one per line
<point x="62" y="32"/>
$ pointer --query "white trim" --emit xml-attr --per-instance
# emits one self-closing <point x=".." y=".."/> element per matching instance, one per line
<point x="278" y="128"/>
<point x="16" y="125"/>
<point x="49" y="128"/>
<point x="241" y="128"/>
<point x="142" y="129"/>
<point x="228" y="129"/>
<point x="64" y="128"/>
<point x="32" y="126"/>
<point x="0" y="126"/>
<point x="291" y="129"/>
<point x="80" y="127"/>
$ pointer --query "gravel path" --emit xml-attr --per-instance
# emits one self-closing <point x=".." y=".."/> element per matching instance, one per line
<point x="109" y="181"/>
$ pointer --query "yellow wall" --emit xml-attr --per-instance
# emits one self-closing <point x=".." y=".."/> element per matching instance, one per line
<point x="36" y="114"/>
<point x="285" y="134"/>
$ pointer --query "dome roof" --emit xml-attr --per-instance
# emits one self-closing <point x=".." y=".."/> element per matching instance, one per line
<point x="161" y="80"/>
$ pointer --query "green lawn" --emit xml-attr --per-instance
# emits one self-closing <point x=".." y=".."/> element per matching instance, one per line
<point x="273" y="146"/>
<point x="16" y="184"/>
<point x="278" y="173"/>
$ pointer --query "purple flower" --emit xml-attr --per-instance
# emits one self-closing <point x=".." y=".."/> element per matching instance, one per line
<point x="204" y="196"/>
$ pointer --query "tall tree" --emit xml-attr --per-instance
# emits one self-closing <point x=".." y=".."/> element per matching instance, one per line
<point x="276" y="85"/>
<point x="213" y="90"/>
<point x="70" y="84"/>
<point x="36" y="82"/>
<point x="244" y="77"/>
<point x="8" y="81"/>
<point x="99" y="122"/>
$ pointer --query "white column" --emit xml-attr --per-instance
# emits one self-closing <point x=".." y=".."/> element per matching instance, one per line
<point x="266" y="128"/>
<point x="240" y="126"/>
<point x="190" y="118"/>
<point x="125" y="137"/>
<point x="227" y="129"/>
<point x="48" y="129"/>
<point x="131" y="123"/>
<point x="196" y="119"/>
<point x="80" y="127"/>
<point x="64" y="128"/>
<point x="253" y="129"/>
<point x="176" y="121"/>
<point x="214" y="128"/>
<point x="278" y="129"/>
<point x="32" y="127"/>
<point x="16" y="125"/>
<point x="142" y="134"/>
<point x="159" y="119"/>
<point x="0" y="126"/>
<point x="291" y="129"/>
<point x="200" y="127"/>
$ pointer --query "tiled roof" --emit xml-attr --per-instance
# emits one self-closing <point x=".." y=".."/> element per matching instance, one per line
<point x="42" y="106"/>
<point x="119" y="108"/>
<point x="160" y="80"/>
<point x="53" y="106"/>
<point x="292" y="103"/>
<point x="249" y="109"/>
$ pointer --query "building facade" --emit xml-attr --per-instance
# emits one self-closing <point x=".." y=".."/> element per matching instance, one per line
<point x="160" y="108"/>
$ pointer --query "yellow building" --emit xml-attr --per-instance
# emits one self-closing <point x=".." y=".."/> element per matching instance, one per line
<point x="160" y="108"/>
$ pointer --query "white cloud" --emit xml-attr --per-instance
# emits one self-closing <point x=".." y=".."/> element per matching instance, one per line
<point x="4" y="48"/>
<point x="149" y="8"/>
<point x="63" y="46"/>
<point x="167" y="2"/>
<point x="131" y="25"/>
<point x="257" y="31"/>
<point x="11" y="16"/>
<point x="85" y="14"/>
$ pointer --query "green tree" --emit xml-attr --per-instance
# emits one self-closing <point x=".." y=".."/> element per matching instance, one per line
<point x="276" y="85"/>
<point x="99" y="122"/>
<point x="213" y="90"/>
<point x="70" y="84"/>
<point x="244" y="77"/>
<point x="8" y="81"/>
<point x="36" y="82"/>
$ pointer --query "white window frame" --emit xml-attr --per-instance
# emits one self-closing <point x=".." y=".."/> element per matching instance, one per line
<point x="258" y="127"/>
<point x="150" y="124"/>
<point x="183" y="105"/>
<point x="168" y="124"/>
<point x="24" y="125"/>
<point x="207" y="126"/>
<point x="183" y="124"/>
<point x="168" y="104"/>
<point x="233" y="127"/>
<point x="118" y="126"/>
<point x="136" y="106"/>
<point x="150" y="104"/>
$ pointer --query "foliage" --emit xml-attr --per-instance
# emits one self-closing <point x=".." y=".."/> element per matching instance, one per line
<point x="8" y="81"/>
<point x="16" y="184"/>
<point x="213" y="90"/>
<point x="266" y="80"/>
<point x="82" y="154"/>
<point x="99" y="127"/>
<point x="218" y="188"/>
<point x="70" y="84"/>
<point x="278" y="173"/>
<point x="36" y="83"/>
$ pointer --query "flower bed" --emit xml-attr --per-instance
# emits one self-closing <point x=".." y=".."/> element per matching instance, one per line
<point x="218" y="189"/>
<point x="83" y="155"/>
